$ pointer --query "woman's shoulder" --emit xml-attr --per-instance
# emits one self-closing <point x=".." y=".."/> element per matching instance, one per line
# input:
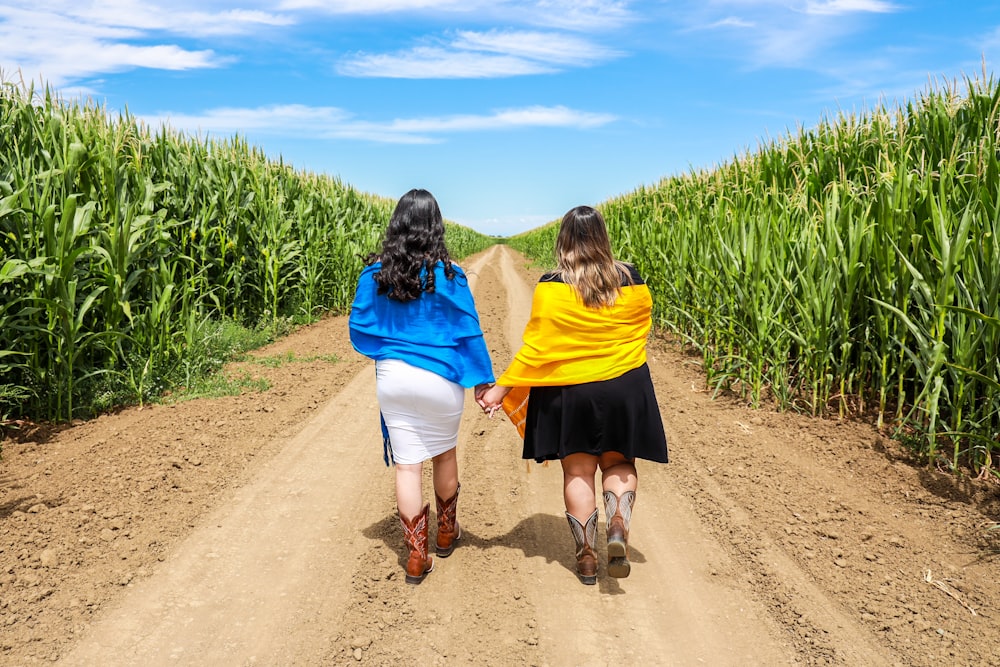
<point x="449" y="279"/>
<point x="439" y="266"/>
<point x="449" y="276"/>
<point x="370" y="269"/>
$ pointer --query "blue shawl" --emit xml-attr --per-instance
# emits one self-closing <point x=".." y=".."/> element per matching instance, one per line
<point x="439" y="331"/>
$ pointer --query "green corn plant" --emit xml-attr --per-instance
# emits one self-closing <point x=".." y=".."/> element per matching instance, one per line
<point x="824" y="269"/>
<point x="130" y="239"/>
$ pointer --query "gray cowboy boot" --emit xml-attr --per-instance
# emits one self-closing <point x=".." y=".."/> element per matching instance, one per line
<point x="585" y="536"/>
<point x="618" y="515"/>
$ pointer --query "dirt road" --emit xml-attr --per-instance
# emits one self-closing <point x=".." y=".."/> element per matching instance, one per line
<point x="261" y="530"/>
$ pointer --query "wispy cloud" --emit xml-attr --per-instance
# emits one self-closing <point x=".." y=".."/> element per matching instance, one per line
<point x="371" y="6"/>
<point x="65" y="40"/>
<point x="335" y="123"/>
<point x="785" y="33"/>
<point x="577" y="15"/>
<point x="989" y="43"/>
<point x="438" y="63"/>
<point x="728" y="22"/>
<point x="540" y="46"/>
<point x="150" y="17"/>
<point x="480" y="55"/>
<point x="534" y="116"/>
<point x="838" y="7"/>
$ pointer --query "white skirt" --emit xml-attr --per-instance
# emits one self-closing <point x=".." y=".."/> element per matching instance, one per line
<point x="421" y="409"/>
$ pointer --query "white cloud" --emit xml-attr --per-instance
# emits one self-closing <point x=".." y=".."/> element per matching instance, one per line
<point x="480" y="55"/>
<point x="62" y="40"/>
<point x="536" y="116"/>
<point x="732" y="22"/>
<point x="334" y="123"/>
<point x="137" y="18"/>
<point x="370" y="6"/>
<point x="837" y="7"/>
<point x="543" y="46"/>
<point x="564" y="14"/>
<point x="60" y="61"/>
<point x="149" y="17"/>
<point x="298" y="118"/>
<point x="779" y="33"/>
<point x="65" y="41"/>
<point x="578" y="14"/>
<point x="436" y="63"/>
<point x="728" y="22"/>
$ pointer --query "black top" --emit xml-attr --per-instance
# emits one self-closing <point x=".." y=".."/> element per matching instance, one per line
<point x="636" y="279"/>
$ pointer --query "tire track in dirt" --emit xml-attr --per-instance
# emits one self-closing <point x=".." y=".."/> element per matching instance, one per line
<point x="817" y="623"/>
<point x="257" y="581"/>
<point x="810" y="508"/>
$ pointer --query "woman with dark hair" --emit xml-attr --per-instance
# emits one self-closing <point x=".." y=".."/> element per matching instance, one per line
<point x="591" y="403"/>
<point x="413" y="313"/>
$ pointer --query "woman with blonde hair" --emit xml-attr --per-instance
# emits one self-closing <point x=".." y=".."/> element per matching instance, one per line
<point x="591" y="403"/>
<point x="413" y="313"/>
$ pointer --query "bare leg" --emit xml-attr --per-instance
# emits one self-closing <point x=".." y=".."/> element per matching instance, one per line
<point x="409" y="490"/>
<point x="618" y="473"/>
<point x="446" y="473"/>
<point x="578" y="484"/>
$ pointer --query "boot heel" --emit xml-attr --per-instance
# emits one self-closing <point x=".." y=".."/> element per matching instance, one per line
<point x="619" y="568"/>
<point x="444" y="552"/>
<point x="617" y="549"/>
<point x="414" y="580"/>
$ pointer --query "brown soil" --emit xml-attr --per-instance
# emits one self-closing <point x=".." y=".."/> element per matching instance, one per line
<point x="261" y="529"/>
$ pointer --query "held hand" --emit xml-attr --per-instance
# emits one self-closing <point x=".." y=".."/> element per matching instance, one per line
<point x="492" y="399"/>
<point x="481" y="389"/>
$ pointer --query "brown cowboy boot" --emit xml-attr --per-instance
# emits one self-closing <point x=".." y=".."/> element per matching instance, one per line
<point x="449" y="532"/>
<point x="419" y="564"/>
<point x="585" y="536"/>
<point x="618" y="514"/>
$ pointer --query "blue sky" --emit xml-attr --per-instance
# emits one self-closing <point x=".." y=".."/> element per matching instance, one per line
<point x="510" y="112"/>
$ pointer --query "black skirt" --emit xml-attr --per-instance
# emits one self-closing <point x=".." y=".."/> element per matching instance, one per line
<point x="619" y="415"/>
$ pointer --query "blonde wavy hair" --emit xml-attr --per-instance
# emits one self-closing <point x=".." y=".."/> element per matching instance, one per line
<point x="585" y="261"/>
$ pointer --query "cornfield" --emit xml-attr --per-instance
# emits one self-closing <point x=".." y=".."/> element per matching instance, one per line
<point x="120" y="246"/>
<point x="849" y="270"/>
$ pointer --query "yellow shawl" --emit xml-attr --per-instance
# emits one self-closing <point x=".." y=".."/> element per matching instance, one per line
<point x="567" y="343"/>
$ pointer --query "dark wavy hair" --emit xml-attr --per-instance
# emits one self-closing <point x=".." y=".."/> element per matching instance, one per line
<point x="413" y="240"/>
